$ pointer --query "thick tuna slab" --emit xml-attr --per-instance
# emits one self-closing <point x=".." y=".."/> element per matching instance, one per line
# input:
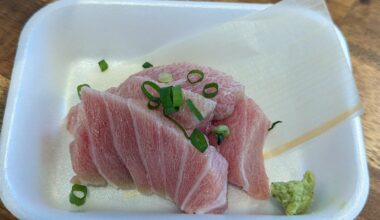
<point x="158" y="156"/>
<point x="101" y="141"/>
<point x="230" y="91"/>
<point x="243" y="149"/>
<point x="81" y="149"/>
<point x="176" y="169"/>
<point x="83" y="166"/>
<point x="119" y="140"/>
<point x="124" y="136"/>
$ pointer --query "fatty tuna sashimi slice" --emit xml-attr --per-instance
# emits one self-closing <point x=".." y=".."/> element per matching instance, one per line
<point x="83" y="166"/>
<point x="101" y="141"/>
<point x="131" y="88"/>
<point x="124" y="136"/>
<point x="204" y="192"/>
<point x="229" y="93"/>
<point x="194" y="201"/>
<point x="243" y="149"/>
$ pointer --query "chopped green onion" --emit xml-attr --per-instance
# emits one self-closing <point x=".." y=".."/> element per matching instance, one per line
<point x="221" y="132"/>
<point x="103" y="65"/>
<point x="170" y="110"/>
<point x="210" y="86"/>
<point x="219" y="138"/>
<point x="147" y="65"/>
<point x="274" y="124"/>
<point x="165" y="77"/>
<point x="194" y="110"/>
<point x="74" y="198"/>
<point x="178" y="125"/>
<point x="198" y="140"/>
<point x="195" y="72"/>
<point x="146" y="92"/>
<point x="153" y="105"/>
<point x="221" y="129"/>
<point x="166" y="97"/>
<point x="177" y="96"/>
<point x="79" y="88"/>
<point x="171" y="99"/>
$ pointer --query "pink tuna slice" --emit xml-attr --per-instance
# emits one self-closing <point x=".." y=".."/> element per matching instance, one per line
<point x="131" y="88"/>
<point x="82" y="163"/>
<point x="185" y="172"/>
<point x="196" y="182"/>
<point x="101" y="140"/>
<point x="124" y="135"/>
<point x="243" y="149"/>
<point x="85" y="169"/>
<point x="229" y="90"/>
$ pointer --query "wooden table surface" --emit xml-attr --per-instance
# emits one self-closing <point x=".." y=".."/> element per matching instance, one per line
<point x="359" y="21"/>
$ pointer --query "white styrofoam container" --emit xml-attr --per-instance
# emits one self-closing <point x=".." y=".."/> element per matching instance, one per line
<point x="59" y="48"/>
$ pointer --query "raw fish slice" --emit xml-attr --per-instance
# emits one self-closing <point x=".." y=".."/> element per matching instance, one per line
<point x="176" y="152"/>
<point x="83" y="166"/>
<point x="100" y="133"/>
<point x="124" y="136"/>
<point x="229" y="93"/>
<point x="243" y="149"/>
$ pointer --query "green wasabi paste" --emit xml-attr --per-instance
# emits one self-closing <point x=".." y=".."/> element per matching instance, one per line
<point x="295" y="196"/>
